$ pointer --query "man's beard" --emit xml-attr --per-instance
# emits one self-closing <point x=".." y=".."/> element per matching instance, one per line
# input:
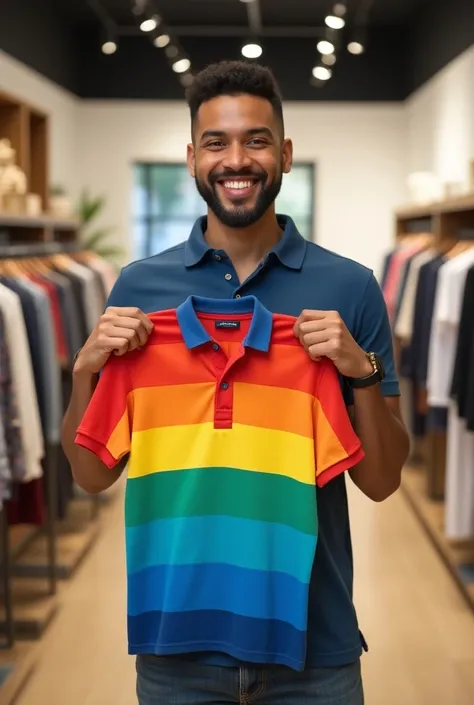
<point x="240" y="216"/>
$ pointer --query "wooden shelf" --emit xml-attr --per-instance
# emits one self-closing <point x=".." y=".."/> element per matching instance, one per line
<point x="458" y="557"/>
<point x="443" y="218"/>
<point x="44" y="221"/>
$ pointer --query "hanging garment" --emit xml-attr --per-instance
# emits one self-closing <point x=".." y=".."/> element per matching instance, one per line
<point x="23" y="383"/>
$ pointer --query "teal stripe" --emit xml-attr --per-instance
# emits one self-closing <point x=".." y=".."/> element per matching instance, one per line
<point x="244" y="543"/>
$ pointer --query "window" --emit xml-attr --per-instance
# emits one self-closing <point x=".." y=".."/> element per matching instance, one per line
<point x="166" y="203"/>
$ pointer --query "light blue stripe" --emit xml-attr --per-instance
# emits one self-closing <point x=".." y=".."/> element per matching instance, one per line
<point x="245" y="543"/>
<point x="249" y="593"/>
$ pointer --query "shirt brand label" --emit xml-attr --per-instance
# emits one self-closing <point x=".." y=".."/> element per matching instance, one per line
<point x="234" y="325"/>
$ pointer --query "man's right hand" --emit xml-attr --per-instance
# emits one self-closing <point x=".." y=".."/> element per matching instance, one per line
<point x="119" y="330"/>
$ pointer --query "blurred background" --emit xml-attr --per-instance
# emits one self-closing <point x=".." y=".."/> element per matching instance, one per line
<point x="379" y="102"/>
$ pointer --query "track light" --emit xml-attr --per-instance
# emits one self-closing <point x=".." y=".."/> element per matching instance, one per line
<point x="171" y="51"/>
<point x="328" y="59"/>
<point x="322" y="73"/>
<point x="325" y="47"/>
<point x="356" y="48"/>
<point x="162" y="41"/>
<point x="181" y="65"/>
<point x="335" y="22"/>
<point x="186" y="79"/>
<point x="252" y="50"/>
<point x="150" y="24"/>
<point x="109" y="47"/>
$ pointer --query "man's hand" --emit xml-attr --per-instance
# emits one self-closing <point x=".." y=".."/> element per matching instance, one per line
<point x="119" y="330"/>
<point x="324" y="334"/>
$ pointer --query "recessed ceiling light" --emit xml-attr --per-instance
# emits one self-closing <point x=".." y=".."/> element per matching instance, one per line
<point x="335" y="22"/>
<point x="322" y="73"/>
<point x="325" y="47"/>
<point x="329" y="59"/>
<point x="252" y="51"/>
<point x="109" y="47"/>
<point x="181" y="65"/>
<point x="355" y="48"/>
<point x="162" y="41"/>
<point x="149" y="25"/>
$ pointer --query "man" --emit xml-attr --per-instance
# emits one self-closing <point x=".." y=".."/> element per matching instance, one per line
<point x="238" y="156"/>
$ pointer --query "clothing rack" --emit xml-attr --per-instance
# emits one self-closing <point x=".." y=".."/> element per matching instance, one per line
<point x="54" y="550"/>
<point x="423" y="481"/>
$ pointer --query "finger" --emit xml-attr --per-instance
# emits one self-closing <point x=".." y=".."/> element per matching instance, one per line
<point x="308" y="315"/>
<point x="320" y="324"/>
<point x="111" y="333"/>
<point x="316" y="337"/>
<point x="133" y="324"/>
<point x="135" y="313"/>
<point x="319" y="350"/>
<point x="119" y="346"/>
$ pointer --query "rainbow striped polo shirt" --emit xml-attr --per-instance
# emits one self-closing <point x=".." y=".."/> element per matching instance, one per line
<point x="229" y="427"/>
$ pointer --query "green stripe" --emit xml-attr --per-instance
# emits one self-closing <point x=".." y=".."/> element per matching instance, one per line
<point x="224" y="491"/>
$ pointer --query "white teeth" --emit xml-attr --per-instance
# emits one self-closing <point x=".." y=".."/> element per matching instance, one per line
<point x="238" y="184"/>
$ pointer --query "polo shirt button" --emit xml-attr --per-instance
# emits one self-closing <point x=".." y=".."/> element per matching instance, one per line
<point x="228" y="277"/>
<point x="224" y="385"/>
<point x="218" y="257"/>
<point x="215" y="346"/>
<point x="238" y="296"/>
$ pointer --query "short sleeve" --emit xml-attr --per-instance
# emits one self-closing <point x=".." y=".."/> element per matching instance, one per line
<point x="106" y="426"/>
<point x="373" y="334"/>
<point x="337" y="447"/>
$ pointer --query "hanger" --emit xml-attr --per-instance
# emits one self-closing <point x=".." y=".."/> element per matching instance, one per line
<point x="458" y="248"/>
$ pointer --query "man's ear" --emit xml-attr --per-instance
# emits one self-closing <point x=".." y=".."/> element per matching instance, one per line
<point x="190" y="158"/>
<point x="287" y="153"/>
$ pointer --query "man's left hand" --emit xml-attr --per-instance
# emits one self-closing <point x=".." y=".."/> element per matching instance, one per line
<point x="324" y="334"/>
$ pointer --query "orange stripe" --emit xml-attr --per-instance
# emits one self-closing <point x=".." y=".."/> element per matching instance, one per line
<point x="274" y="407"/>
<point x="254" y="405"/>
<point x="173" y="405"/>
<point x="329" y="450"/>
<point x="332" y="403"/>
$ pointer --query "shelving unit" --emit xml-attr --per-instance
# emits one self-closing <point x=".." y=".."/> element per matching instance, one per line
<point x="445" y="220"/>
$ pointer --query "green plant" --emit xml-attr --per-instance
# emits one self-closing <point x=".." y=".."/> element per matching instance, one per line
<point x="95" y="239"/>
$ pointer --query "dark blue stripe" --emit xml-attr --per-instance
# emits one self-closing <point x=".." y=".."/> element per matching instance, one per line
<point x="244" y="638"/>
<point x="208" y="586"/>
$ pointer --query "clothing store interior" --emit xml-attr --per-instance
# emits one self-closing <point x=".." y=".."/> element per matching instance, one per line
<point x="378" y="99"/>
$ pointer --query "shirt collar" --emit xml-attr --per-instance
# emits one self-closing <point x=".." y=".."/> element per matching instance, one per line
<point x="194" y="333"/>
<point x="290" y="249"/>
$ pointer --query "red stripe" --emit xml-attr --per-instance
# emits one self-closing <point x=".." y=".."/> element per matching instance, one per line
<point x="355" y="457"/>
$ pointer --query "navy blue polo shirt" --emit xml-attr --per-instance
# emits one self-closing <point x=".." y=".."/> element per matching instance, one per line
<point x="295" y="275"/>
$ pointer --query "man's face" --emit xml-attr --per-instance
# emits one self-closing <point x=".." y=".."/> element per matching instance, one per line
<point x="238" y="158"/>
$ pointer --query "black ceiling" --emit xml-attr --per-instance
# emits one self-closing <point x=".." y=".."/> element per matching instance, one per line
<point x="234" y="12"/>
<point x="408" y="41"/>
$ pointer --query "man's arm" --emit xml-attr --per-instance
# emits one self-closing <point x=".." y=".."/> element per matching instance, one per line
<point x="379" y="425"/>
<point x="376" y="409"/>
<point x="118" y="331"/>
<point x="90" y="473"/>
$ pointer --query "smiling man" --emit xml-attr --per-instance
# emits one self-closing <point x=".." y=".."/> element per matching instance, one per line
<point x="245" y="292"/>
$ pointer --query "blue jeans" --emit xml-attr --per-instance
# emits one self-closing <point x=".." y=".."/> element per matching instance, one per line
<point x="168" y="681"/>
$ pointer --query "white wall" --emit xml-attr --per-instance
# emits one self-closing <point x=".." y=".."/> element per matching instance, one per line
<point x="18" y="80"/>
<point x="441" y="122"/>
<point x="360" y="152"/>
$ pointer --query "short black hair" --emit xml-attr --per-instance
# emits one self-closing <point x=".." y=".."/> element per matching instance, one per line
<point x="234" y="78"/>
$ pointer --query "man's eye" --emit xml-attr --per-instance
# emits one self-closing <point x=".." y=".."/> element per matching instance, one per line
<point x="216" y="143"/>
<point x="258" y="142"/>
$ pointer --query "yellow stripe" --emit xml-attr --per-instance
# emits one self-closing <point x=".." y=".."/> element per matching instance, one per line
<point x="244" y="447"/>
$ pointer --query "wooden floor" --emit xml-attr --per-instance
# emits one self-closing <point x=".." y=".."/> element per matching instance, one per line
<point x="419" y="629"/>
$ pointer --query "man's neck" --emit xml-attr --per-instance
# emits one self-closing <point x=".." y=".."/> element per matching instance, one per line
<point x="247" y="246"/>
